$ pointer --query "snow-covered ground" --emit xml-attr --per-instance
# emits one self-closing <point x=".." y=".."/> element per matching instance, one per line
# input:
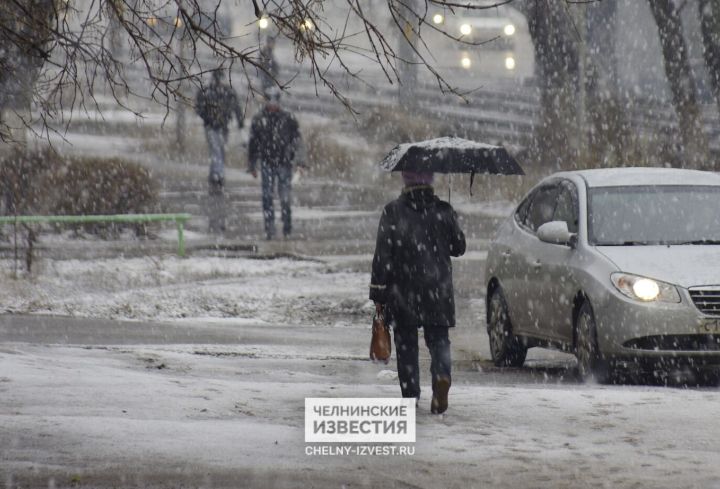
<point x="169" y="288"/>
<point x="206" y="387"/>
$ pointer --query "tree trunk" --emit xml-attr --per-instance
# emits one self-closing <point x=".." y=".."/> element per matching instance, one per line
<point x="609" y="134"/>
<point x="22" y="56"/>
<point x="681" y="81"/>
<point x="408" y="62"/>
<point x="710" y="27"/>
<point x="556" y="64"/>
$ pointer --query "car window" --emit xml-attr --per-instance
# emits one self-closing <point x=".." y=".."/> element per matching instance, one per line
<point x="542" y="207"/>
<point x="654" y="215"/>
<point x="566" y="207"/>
<point x="522" y="210"/>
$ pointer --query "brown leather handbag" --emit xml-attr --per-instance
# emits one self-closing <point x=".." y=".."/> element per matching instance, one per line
<point x="380" y="345"/>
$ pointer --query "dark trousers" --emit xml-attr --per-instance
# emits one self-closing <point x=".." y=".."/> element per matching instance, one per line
<point x="406" y="350"/>
<point x="216" y="204"/>
<point x="283" y="176"/>
<point x="216" y="139"/>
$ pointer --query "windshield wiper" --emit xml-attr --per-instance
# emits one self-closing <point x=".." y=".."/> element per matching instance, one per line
<point x="707" y="241"/>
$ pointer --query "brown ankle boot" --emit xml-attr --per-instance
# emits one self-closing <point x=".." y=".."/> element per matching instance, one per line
<point x="441" y="387"/>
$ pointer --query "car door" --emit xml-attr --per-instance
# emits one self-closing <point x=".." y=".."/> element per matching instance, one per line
<point x="509" y="264"/>
<point x="552" y="278"/>
<point x="525" y="301"/>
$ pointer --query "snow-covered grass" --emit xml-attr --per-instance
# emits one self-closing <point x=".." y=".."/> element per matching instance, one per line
<point x="166" y="288"/>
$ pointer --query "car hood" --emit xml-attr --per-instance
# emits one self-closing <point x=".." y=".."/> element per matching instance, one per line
<point x="686" y="266"/>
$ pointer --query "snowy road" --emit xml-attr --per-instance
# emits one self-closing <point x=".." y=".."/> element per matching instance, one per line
<point x="218" y="402"/>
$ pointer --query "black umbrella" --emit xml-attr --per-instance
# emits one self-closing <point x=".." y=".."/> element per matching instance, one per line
<point x="451" y="155"/>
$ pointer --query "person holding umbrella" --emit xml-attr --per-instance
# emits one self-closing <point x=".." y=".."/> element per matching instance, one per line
<point x="411" y="270"/>
<point x="412" y="281"/>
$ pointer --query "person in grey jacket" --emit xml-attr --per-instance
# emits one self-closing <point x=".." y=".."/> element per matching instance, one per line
<point x="275" y="145"/>
<point x="216" y="105"/>
<point x="412" y="282"/>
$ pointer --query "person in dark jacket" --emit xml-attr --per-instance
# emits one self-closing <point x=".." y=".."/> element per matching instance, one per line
<point x="216" y="105"/>
<point x="275" y="145"/>
<point x="412" y="281"/>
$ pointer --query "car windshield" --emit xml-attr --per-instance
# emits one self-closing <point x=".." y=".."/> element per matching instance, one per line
<point x="652" y="215"/>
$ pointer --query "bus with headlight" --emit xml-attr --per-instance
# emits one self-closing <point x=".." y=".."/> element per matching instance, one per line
<point x="493" y="42"/>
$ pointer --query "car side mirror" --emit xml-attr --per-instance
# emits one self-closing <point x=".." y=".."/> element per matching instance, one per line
<point x="556" y="232"/>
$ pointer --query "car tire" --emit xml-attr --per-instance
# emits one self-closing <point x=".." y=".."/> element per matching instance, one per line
<point x="506" y="349"/>
<point x="591" y="365"/>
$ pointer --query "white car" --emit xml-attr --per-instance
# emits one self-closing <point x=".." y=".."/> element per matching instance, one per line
<point x="619" y="266"/>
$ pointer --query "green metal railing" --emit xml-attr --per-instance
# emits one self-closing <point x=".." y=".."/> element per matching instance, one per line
<point x="179" y="219"/>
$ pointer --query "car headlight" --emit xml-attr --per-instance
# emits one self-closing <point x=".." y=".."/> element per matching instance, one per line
<point x="644" y="289"/>
<point x="465" y="29"/>
<point x="465" y="62"/>
<point x="509" y="30"/>
<point x="438" y="18"/>
<point x="509" y="63"/>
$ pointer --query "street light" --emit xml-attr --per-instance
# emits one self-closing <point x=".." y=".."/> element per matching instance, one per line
<point x="263" y="23"/>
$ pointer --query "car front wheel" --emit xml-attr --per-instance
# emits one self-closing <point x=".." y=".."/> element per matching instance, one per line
<point x="591" y="365"/>
<point x="505" y="348"/>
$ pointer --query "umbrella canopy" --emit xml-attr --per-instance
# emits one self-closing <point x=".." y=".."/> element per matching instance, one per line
<point x="451" y="155"/>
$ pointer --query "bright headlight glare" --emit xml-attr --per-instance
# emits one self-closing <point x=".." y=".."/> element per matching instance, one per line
<point x="465" y="29"/>
<point x="509" y="30"/>
<point x="465" y="62"/>
<point x="509" y="63"/>
<point x="263" y="23"/>
<point x="438" y="18"/>
<point x="644" y="289"/>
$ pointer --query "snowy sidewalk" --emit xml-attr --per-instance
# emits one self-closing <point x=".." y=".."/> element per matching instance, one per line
<point x="232" y="416"/>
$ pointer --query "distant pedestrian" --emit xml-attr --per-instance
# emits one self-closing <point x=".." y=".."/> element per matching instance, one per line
<point x="216" y="105"/>
<point x="275" y="145"/>
<point x="412" y="281"/>
<point x="268" y="76"/>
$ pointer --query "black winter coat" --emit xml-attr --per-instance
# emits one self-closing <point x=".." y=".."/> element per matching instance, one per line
<point x="411" y="271"/>
<point x="274" y="139"/>
<point x="216" y="105"/>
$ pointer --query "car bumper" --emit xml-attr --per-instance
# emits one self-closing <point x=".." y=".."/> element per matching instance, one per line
<point x="657" y="334"/>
